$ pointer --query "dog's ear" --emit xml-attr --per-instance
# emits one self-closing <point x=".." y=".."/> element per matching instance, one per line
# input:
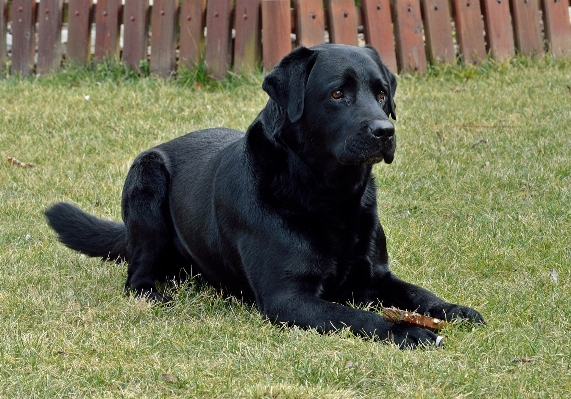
<point x="285" y="84"/>
<point x="390" y="78"/>
<point x="393" y="83"/>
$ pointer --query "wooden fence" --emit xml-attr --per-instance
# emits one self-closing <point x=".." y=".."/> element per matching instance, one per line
<point x="241" y="34"/>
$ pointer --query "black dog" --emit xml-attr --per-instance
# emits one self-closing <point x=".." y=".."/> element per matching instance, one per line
<point x="285" y="215"/>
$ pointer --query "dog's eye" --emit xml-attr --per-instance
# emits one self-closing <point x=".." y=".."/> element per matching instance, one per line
<point x="381" y="96"/>
<point x="337" y="94"/>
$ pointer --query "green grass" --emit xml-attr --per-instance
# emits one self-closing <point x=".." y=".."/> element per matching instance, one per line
<point x="476" y="207"/>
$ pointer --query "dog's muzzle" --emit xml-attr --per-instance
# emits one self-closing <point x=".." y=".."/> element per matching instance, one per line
<point x="384" y="130"/>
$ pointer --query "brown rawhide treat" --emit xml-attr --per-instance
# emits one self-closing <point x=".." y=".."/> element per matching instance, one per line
<point x="398" y="316"/>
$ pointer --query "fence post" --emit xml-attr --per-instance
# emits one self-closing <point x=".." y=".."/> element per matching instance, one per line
<point x="342" y="22"/>
<point x="49" y="35"/>
<point x="135" y="33"/>
<point x="107" y="30"/>
<point x="3" y="27"/>
<point x="409" y="36"/>
<point x="247" y="44"/>
<point x="557" y="26"/>
<point x="79" y="31"/>
<point x="525" y="17"/>
<point x="163" y="57"/>
<point x="438" y="30"/>
<point x="499" y="31"/>
<point x="192" y="19"/>
<point x="218" y="35"/>
<point x="470" y="30"/>
<point x="378" y="26"/>
<point x="310" y="22"/>
<point x="276" y="39"/>
<point x="23" y="36"/>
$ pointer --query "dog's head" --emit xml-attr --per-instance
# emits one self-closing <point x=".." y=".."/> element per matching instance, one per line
<point x="340" y="97"/>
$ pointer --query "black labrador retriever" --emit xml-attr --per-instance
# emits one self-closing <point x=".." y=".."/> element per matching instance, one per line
<point x="285" y="215"/>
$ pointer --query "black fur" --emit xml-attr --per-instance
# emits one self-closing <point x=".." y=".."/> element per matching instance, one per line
<point x="104" y="238"/>
<point x="285" y="215"/>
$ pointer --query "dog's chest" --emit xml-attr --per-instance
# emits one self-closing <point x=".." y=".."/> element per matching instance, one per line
<point x="345" y="247"/>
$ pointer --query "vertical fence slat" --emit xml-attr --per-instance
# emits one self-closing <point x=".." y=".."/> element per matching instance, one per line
<point x="527" y="31"/>
<point x="79" y="31"/>
<point x="218" y="35"/>
<point x="49" y="35"/>
<point x="163" y="56"/>
<point x="3" y="27"/>
<point x="438" y="30"/>
<point x="342" y="20"/>
<point x="247" y="43"/>
<point x="310" y="22"/>
<point x="23" y="36"/>
<point x="107" y="30"/>
<point x="409" y="36"/>
<point x="378" y="25"/>
<point x="557" y="26"/>
<point x="499" y="29"/>
<point x="470" y="30"/>
<point x="135" y="33"/>
<point x="276" y="40"/>
<point x="191" y="42"/>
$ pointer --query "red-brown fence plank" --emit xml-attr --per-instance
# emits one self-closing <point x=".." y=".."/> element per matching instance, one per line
<point x="497" y="18"/>
<point x="3" y="27"/>
<point x="107" y="21"/>
<point x="23" y="36"/>
<point x="163" y="56"/>
<point x="557" y="26"/>
<point x="470" y="30"/>
<point x="247" y="44"/>
<point x="310" y="22"/>
<point x="218" y="35"/>
<point x="191" y="42"/>
<point x="378" y="25"/>
<point x="342" y="21"/>
<point x="79" y="31"/>
<point x="276" y="40"/>
<point x="527" y="29"/>
<point x="409" y="36"/>
<point x="135" y="33"/>
<point x="438" y="30"/>
<point x="49" y="35"/>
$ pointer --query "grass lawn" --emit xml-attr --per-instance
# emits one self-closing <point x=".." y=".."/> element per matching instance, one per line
<point x="476" y="207"/>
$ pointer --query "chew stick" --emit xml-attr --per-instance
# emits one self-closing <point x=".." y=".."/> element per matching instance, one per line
<point x="15" y="162"/>
<point x="398" y="316"/>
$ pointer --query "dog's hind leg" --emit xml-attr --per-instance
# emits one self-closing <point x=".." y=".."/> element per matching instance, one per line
<point x="145" y="209"/>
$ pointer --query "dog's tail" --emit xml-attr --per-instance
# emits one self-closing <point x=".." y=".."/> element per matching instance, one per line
<point x="88" y="234"/>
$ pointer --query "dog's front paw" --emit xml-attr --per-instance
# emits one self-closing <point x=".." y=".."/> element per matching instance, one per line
<point x="411" y="337"/>
<point x="452" y="312"/>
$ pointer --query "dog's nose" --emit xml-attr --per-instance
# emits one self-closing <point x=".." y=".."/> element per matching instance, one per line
<point x="382" y="128"/>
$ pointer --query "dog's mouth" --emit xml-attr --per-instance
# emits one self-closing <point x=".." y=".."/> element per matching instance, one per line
<point x="368" y="152"/>
<point x="388" y="149"/>
<point x="389" y="158"/>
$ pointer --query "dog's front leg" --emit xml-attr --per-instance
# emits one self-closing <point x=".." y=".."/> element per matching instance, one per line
<point x="309" y="311"/>
<point x="390" y="290"/>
